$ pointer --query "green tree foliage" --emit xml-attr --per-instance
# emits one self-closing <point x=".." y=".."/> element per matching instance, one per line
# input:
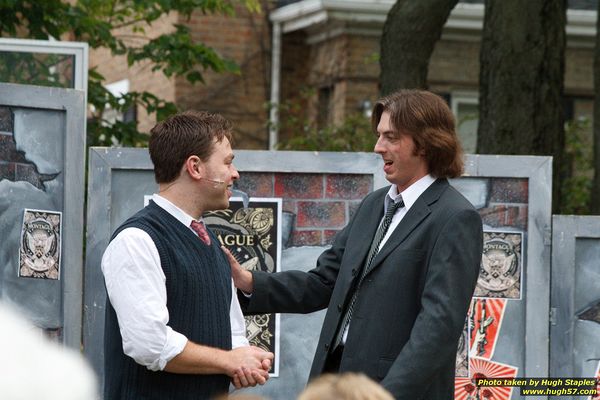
<point x="95" y="22"/>
<point x="301" y="132"/>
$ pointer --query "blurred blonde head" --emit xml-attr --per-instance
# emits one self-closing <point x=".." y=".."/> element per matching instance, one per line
<point x="347" y="386"/>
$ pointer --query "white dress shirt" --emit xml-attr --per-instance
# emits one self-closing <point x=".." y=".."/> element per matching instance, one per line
<point x="136" y="286"/>
<point x="409" y="195"/>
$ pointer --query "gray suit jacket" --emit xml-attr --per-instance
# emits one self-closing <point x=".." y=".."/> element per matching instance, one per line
<point x="413" y="302"/>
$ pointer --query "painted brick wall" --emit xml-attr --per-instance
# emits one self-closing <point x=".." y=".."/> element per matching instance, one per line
<point x="140" y="75"/>
<point x="507" y="203"/>
<point x="13" y="164"/>
<point x="347" y="62"/>
<point x="322" y="203"/>
<point x="245" y="39"/>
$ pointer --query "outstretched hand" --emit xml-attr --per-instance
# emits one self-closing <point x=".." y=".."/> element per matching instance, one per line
<point x="242" y="279"/>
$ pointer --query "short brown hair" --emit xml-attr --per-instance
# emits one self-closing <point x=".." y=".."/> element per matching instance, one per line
<point x="426" y="117"/>
<point x="347" y="386"/>
<point x="183" y="135"/>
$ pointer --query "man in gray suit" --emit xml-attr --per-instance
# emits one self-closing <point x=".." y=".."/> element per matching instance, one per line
<point x="398" y="279"/>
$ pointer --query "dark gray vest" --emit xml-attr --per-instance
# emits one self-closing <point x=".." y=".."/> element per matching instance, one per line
<point x="198" y="281"/>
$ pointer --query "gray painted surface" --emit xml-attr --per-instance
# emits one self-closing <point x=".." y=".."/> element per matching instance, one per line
<point x="575" y="343"/>
<point x="534" y="316"/>
<point x="120" y="177"/>
<point x="118" y="180"/>
<point x="50" y="128"/>
<point x="300" y="333"/>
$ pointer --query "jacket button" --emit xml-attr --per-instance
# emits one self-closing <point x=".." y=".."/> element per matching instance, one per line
<point x="339" y="307"/>
<point x="354" y="272"/>
<point x="326" y="346"/>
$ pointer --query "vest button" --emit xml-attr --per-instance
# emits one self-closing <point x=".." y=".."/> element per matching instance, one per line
<point x="339" y="307"/>
<point x="354" y="272"/>
<point x="326" y="346"/>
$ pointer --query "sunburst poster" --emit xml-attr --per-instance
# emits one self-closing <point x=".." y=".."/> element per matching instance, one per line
<point x="485" y="320"/>
<point x="253" y="236"/>
<point x="466" y="388"/>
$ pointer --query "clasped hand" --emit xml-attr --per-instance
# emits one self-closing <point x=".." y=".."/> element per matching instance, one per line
<point x="252" y="366"/>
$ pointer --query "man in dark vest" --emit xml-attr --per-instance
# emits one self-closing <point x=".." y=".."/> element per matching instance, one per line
<point x="174" y="328"/>
<point x="399" y="277"/>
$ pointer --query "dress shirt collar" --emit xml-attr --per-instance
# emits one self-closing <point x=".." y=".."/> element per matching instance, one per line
<point x="410" y="194"/>
<point x="172" y="209"/>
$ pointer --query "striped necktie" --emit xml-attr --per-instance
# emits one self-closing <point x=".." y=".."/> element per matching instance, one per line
<point x="201" y="231"/>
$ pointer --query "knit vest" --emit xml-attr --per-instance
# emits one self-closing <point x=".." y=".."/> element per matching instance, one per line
<point x="198" y="283"/>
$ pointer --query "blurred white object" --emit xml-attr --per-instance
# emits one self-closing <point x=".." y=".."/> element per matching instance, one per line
<point x="33" y="368"/>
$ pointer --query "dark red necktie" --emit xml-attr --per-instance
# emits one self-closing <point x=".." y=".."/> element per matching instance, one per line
<point x="200" y="229"/>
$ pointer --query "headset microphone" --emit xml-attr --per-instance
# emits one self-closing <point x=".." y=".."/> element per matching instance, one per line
<point x="216" y="182"/>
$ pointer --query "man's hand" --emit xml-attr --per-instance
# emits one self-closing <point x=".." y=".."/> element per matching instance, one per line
<point x="243" y="377"/>
<point x="249" y="366"/>
<point x="242" y="279"/>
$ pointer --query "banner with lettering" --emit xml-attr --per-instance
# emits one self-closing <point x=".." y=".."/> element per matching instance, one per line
<point x="253" y="235"/>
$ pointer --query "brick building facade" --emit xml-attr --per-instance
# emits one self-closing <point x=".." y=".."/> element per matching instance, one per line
<point x="331" y="48"/>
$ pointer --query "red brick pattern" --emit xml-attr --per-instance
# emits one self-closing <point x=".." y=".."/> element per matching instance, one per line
<point x="307" y="238"/>
<point x="324" y="214"/>
<point x="352" y="207"/>
<point x="324" y="203"/>
<point x="290" y="206"/>
<point x="508" y="204"/>
<point x="256" y="184"/>
<point x="7" y="170"/>
<point x="509" y="190"/>
<point x="8" y="150"/>
<point x="329" y="235"/>
<point x="350" y="186"/>
<point x="6" y="119"/>
<point x="299" y="186"/>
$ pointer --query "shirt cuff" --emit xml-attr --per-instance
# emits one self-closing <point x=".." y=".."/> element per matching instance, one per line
<point x="174" y="346"/>
<point x="239" y="341"/>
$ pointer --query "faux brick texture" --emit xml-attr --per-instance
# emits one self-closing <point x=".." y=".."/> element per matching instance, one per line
<point x="27" y="173"/>
<point x="307" y="238"/>
<point x="7" y="171"/>
<point x="329" y="236"/>
<point x="299" y="186"/>
<point x="350" y="186"/>
<point x="352" y="208"/>
<point x="321" y="214"/>
<point x="509" y="190"/>
<point x="8" y="148"/>
<point x="6" y="119"/>
<point x="256" y="184"/>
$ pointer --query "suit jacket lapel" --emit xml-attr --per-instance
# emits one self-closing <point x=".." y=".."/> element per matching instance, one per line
<point x="413" y="218"/>
<point x="368" y="222"/>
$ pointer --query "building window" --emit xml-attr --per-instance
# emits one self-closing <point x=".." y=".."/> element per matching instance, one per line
<point x="465" y="106"/>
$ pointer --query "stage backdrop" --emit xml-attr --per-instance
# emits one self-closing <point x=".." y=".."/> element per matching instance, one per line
<point x="506" y="331"/>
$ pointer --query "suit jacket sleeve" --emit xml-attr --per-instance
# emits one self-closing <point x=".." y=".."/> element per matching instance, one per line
<point x="298" y="291"/>
<point x="450" y="280"/>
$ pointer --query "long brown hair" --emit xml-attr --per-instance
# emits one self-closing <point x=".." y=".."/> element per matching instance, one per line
<point x="183" y="135"/>
<point x="427" y="118"/>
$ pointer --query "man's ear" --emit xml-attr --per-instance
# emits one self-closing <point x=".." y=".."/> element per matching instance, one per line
<point x="194" y="167"/>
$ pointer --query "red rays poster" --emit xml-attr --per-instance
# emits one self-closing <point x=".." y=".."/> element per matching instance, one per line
<point x="466" y="389"/>
<point x="485" y="320"/>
